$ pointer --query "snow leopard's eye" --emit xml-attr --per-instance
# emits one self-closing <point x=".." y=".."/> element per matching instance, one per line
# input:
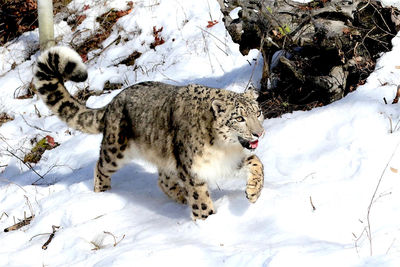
<point x="259" y="113"/>
<point x="239" y="119"/>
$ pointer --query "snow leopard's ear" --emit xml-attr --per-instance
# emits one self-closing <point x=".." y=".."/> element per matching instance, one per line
<point x="252" y="93"/>
<point x="217" y="106"/>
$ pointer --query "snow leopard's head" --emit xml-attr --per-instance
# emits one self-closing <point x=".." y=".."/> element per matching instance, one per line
<point x="238" y="119"/>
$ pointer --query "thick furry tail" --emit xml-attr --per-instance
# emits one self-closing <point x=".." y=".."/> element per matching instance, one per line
<point x="53" y="67"/>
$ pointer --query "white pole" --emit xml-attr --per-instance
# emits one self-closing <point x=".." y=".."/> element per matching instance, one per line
<point x="46" y="24"/>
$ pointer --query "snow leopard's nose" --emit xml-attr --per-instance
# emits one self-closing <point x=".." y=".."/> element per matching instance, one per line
<point x="258" y="134"/>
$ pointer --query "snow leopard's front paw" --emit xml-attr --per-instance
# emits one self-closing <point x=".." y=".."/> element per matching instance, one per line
<point x="253" y="192"/>
<point x="255" y="180"/>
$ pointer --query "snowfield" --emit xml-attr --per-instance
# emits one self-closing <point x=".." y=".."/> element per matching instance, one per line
<point x="332" y="175"/>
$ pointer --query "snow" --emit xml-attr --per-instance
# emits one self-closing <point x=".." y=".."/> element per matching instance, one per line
<point x="332" y="158"/>
<point x="234" y="14"/>
<point x="393" y="3"/>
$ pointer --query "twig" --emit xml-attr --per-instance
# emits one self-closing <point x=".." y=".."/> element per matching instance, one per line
<point x="301" y="26"/>
<point x="272" y="18"/>
<point x="37" y="111"/>
<point x="362" y="8"/>
<point x="115" y="239"/>
<point x="41" y="176"/>
<point x="49" y="170"/>
<point x="369" y="233"/>
<point x="20" y="224"/>
<point x="34" y="126"/>
<point x="396" y="99"/>
<point x="391" y="124"/>
<point x="214" y="37"/>
<point x="391" y="244"/>
<point x="8" y="181"/>
<point x="312" y="204"/>
<point x="222" y="50"/>
<point x="2" y="138"/>
<point x="3" y="215"/>
<point x="103" y="49"/>
<point x="359" y="237"/>
<point x="97" y="244"/>
<point x="26" y="164"/>
<point x="28" y="203"/>
<point x="396" y="127"/>
<point x="38" y="235"/>
<point x="363" y="44"/>
<point x="269" y="39"/>
<point x="168" y="78"/>
<point x="380" y="14"/>
<point x="55" y="228"/>
<point x="207" y="51"/>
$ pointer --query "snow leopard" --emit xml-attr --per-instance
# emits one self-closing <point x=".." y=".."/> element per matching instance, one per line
<point x="193" y="134"/>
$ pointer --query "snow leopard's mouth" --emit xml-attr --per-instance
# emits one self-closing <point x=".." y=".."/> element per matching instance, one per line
<point x="248" y="144"/>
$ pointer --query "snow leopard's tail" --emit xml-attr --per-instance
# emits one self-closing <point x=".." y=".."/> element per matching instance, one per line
<point x="52" y="68"/>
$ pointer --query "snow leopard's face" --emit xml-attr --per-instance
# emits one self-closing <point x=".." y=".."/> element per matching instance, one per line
<point x="239" y="120"/>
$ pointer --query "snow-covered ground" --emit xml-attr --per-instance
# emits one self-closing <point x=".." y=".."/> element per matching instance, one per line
<point x="342" y="159"/>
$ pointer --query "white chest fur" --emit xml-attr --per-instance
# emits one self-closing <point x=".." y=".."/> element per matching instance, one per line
<point x="219" y="162"/>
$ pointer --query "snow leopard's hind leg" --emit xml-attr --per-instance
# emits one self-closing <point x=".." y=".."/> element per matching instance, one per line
<point x="116" y="137"/>
<point x="169" y="184"/>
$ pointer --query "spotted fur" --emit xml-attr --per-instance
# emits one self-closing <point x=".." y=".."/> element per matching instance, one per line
<point x="193" y="134"/>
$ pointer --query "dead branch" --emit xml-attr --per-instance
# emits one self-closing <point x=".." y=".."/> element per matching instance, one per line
<point x="20" y="224"/>
<point x="26" y="220"/>
<point x="45" y="245"/>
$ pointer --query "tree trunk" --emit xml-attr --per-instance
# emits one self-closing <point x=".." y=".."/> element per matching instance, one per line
<point x="46" y="24"/>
